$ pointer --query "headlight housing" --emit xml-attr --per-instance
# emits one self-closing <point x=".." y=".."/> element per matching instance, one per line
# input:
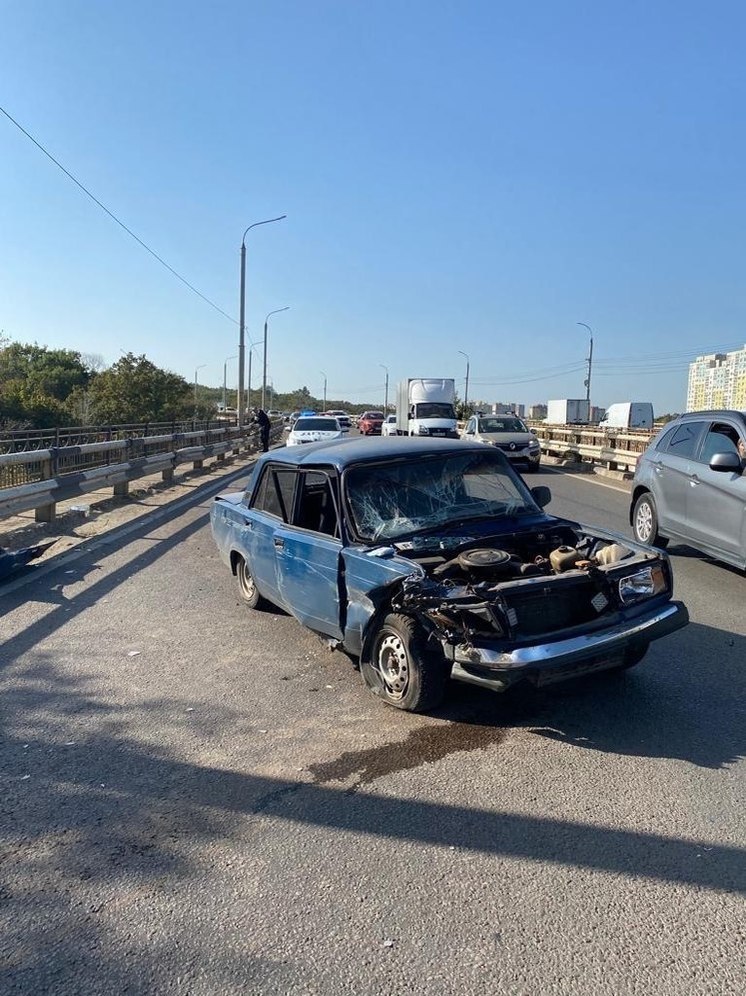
<point x="642" y="584"/>
<point x="534" y="444"/>
<point x="424" y="430"/>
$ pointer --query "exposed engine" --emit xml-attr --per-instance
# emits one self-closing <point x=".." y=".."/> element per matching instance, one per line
<point x="525" y="585"/>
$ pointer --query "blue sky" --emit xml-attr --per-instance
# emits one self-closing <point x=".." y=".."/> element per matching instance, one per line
<point x="477" y="176"/>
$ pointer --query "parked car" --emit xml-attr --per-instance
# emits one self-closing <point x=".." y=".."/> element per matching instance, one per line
<point x="430" y="559"/>
<point x="313" y="429"/>
<point x="370" y="423"/>
<point x="690" y="486"/>
<point x="389" y="426"/>
<point x="509" y="434"/>
<point x="274" y="413"/>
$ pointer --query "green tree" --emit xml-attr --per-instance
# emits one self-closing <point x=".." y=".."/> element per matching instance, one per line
<point x="135" y="390"/>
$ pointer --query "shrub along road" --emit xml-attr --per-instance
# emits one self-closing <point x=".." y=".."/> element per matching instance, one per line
<point x="200" y="798"/>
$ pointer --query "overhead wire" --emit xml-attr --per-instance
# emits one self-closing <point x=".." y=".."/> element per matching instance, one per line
<point x="121" y="224"/>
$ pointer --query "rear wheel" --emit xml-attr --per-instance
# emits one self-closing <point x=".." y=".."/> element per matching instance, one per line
<point x="645" y="522"/>
<point x="247" y="588"/>
<point x="402" y="668"/>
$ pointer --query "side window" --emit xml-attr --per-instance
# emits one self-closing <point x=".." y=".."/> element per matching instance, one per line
<point x="317" y="509"/>
<point x="685" y="439"/>
<point x="275" y="493"/>
<point x="470" y="426"/>
<point x="720" y="438"/>
<point x="665" y="438"/>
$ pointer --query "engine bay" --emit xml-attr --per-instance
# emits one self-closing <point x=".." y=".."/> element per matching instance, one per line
<point x="525" y="584"/>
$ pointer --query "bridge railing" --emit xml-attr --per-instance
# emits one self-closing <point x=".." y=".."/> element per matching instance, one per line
<point x="614" y="449"/>
<point x="39" y="478"/>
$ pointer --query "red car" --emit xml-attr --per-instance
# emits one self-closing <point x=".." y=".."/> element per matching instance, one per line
<point x="370" y="423"/>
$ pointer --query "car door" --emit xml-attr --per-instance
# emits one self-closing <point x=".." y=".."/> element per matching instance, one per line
<point x="269" y="509"/>
<point x="671" y="473"/>
<point x="308" y="556"/>
<point x="716" y="500"/>
<point x="470" y="429"/>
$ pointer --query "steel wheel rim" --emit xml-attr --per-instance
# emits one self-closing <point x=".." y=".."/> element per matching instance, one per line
<point x="644" y="521"/>
<point x="393" y="665"/>
<point x="246" y="580"/>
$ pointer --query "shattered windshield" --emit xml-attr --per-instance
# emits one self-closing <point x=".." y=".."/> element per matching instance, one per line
<point x="393" y="500"/>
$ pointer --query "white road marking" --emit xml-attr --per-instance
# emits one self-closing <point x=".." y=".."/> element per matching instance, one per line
<point x="589" y="479"/>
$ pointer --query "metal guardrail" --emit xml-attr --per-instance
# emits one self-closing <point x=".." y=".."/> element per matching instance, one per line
<point x="57" y="474"/>
<point x="615" y="449"/>
<point x="22" y="440"/>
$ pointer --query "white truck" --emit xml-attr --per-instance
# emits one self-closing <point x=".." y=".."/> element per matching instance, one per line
<point x="568" y="411"/>
<point x="425" y="407"/>
<point x="628" y="415"/>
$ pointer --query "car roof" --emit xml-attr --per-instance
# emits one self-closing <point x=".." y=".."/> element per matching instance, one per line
<point x="713" y="413"/>
<point x="342" y="453"/>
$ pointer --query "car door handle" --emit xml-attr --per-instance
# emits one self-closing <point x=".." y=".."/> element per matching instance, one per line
<point x="247" y="526"/>
<point x="279" y="542"/>
<point x="693" y="481"/>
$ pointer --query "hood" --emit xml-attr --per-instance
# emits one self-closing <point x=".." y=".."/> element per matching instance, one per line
<point x="504" y="439"/>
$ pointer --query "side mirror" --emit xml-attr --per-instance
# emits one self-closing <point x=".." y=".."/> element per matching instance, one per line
<point x="726" y="463"/>
<point x="541" y="495"/>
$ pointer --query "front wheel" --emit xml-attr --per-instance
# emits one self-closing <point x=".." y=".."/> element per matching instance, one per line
<point x="645" y="522"/>
<point x="402" y="668"/>
<point x="247" y="588"/>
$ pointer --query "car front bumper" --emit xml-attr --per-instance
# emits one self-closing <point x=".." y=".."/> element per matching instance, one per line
<point x="546" y="663"/>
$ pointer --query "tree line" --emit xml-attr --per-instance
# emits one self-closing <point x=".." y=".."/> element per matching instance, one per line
<point x="42" y="388"/>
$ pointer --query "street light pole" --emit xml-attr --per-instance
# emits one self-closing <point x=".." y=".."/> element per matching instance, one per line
<point x="252" y="346"/>
<point x="466" y="385"/>
<point x="590" y="366"/>
<point x="196" y="369"/>
<point x="324" y="376"/>
<point x="385" y="390"/>
<point x="264" y="373"/>
<point x="242" y="315"/>
<point x="225" y="380"/>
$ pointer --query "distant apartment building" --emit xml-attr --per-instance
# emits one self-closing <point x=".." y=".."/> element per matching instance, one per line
<point x="508" y="408"/>
<point x="537" y="412"/>
<point x="717" y="381"/>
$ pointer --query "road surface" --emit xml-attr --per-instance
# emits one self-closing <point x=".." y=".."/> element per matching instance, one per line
<point x="201" y="799"/>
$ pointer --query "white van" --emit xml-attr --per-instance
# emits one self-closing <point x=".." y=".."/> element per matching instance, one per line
<point x="628" y="415"/>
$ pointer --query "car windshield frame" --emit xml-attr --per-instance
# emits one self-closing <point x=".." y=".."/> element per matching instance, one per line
<point x="394" y="500"/>
<point x="331" y="424"/>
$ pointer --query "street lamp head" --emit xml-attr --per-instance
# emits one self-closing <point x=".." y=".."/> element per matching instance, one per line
<point x="276" y="312"/>
<point x="266" y="222"/>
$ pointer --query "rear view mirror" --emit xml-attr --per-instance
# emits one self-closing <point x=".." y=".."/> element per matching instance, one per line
<point x="541" y="495"/>
<point x="726" y="463"/>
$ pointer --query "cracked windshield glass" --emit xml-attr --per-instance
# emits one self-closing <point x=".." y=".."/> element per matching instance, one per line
<point x="394" y="501"/>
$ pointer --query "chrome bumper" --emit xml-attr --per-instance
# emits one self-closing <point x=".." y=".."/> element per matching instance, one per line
<point x="498" y="669"/>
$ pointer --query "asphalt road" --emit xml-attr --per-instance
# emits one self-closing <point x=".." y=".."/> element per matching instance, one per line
<point x="201" y="799"/>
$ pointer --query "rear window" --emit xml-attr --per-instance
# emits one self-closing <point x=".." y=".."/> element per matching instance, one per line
<point x="316" y="425"/>
<point x="374" y="415"/>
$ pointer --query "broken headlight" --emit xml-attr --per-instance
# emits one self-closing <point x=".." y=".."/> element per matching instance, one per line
<point x="642" y="584"/>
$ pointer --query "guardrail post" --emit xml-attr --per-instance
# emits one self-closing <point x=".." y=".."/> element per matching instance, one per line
<point x="46" y="513"/>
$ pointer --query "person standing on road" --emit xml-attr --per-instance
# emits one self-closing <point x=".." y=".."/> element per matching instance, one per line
<point x="262" y="420"/>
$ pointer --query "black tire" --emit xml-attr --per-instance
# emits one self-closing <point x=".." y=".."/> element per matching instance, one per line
<point x="645" y="522"/>
<point x="404" y="669"/>
<point x="247" y="589"/>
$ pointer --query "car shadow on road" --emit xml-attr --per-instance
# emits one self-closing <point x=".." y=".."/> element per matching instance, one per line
<point x="684" y="701"/>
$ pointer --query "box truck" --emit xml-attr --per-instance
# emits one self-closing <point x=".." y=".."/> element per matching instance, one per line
<point x="568" y="411"/>
<point x="425" y="407"/>
<point x="628" y="415"/>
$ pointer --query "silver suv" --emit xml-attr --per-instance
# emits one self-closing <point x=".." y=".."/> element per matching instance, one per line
<point x="690" y="486"/>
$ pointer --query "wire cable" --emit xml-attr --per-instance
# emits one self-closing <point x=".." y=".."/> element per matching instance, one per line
<point x="114" y="218"/>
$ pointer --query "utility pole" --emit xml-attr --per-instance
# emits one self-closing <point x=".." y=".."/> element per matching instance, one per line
<point x="324" y="376"/>
<point x="385" y="390"/>
<point x="466" y="385"/>
<point x="587" y="384"/>
<point x="225" y="379"/>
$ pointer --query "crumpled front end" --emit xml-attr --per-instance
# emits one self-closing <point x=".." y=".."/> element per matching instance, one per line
<point x="540" y="606"/>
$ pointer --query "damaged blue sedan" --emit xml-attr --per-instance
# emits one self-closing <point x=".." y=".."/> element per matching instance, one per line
<point x="431" y="559"/>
